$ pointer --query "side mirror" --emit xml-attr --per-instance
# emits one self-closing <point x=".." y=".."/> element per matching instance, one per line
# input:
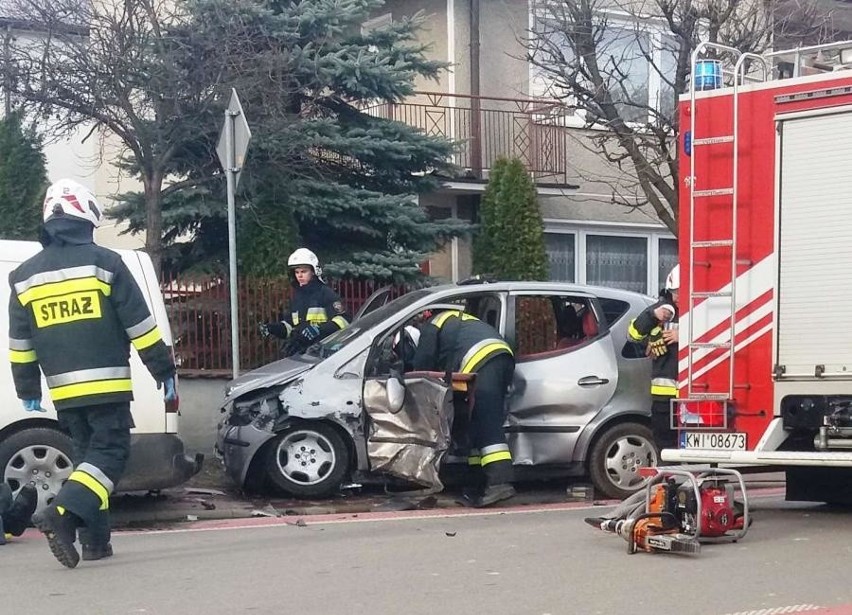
<point x="396" y="392"/>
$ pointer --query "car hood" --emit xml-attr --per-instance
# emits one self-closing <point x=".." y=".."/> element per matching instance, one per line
<point x="272" y="374"/>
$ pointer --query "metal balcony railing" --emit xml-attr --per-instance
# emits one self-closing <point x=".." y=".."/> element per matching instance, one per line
<point x="487" y="128"/>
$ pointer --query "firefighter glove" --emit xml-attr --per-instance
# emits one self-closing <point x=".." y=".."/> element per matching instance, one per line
<point x="169" y="389"/>
<point x="33" y="405"/>
<point x="276" y="329"/>
<point x="658" y="347"/>
<point x="309" y="333"/>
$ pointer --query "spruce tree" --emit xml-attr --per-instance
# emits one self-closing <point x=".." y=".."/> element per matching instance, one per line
<point x="325" y="170"/>
<point x="510" y="241"/>
<point x="23" y="179"/>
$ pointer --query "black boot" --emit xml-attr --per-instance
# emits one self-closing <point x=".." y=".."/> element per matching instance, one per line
<point x="20" y="514"/>
<point x="498" y="483"/>
<point x="5" y="505"/>
<point x="474" y="480"/>
<point x="60" y="529"/>
<point x="96" y="552"/>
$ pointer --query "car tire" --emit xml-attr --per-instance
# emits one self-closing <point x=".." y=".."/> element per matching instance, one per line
<point x="308" y="460"/>
<point x="616" y="457"/>
<point x="40" y="456"/>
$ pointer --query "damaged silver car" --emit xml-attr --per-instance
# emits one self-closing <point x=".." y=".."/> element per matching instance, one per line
<point x="346" y="411"/>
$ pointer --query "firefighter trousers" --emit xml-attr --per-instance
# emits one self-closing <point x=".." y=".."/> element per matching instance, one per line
<point x="661" y="422"/>
<point x="488" y="415"/>
<point x="101" y="438"/>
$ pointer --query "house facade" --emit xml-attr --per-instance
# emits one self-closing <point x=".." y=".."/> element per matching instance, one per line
<point x="492" y="103"/>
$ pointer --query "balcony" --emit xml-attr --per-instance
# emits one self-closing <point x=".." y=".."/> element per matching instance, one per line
<point x="489" y="128"/>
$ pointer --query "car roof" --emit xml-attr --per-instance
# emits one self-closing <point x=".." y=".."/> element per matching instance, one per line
<point x="564" y="287"/>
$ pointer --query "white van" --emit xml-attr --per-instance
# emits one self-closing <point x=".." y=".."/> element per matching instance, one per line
<point x="33" y="449"/>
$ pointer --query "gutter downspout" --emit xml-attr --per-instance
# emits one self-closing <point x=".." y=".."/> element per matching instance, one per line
<point x="475" y="102"/>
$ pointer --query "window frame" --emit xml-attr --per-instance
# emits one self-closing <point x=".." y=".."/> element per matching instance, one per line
<point x="652" y="235"/>
<point x="654" y="28"/>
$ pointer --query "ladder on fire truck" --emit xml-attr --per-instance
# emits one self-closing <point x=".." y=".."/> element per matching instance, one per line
<point x="699" y="192"/>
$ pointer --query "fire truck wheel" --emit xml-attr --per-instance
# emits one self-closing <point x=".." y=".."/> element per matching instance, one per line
<point x="616" y="456"/>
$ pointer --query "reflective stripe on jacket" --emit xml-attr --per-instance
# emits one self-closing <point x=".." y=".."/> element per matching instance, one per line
<point x="645" y="328"/>
<point x="317" y="304"/>
<point x="74" y="310"/>
<point x="458" y="342"/>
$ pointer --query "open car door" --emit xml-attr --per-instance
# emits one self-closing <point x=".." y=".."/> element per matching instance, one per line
<point x="374" y="301"/>
<point x="409" y="442"/>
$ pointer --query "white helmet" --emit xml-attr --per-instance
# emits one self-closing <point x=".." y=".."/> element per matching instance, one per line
<point x="303" y="256"/>
<point x="68" y="198"/>
<point x="412" y="334"/>
<point x="673" y="279"/>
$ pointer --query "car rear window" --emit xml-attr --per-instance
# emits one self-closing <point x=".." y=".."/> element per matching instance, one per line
<point x="613" y="309"/>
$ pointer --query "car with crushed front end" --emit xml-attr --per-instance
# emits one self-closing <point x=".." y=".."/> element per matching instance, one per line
<point x="579" y="404"/>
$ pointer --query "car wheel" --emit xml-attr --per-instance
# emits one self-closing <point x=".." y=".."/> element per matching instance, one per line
<point x="39" y="456"/>
<point x="309" y="460"/>
<point x="617" y="456"/>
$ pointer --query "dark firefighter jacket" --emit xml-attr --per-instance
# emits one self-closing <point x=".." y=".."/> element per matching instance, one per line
<point x="316" y="304"/>
<point x="74" y="310"/>
<point x="646" y="328"/>
<point x="458" y="342"/>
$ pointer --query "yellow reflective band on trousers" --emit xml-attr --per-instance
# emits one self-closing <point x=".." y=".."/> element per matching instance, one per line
<point x="665" y="387"/>
<point x="22" y="356"/>
<point x="496" y="456"/>
<point x="147" y="340"/>
<point x="94" y="387"/>
<point x="67" y="287"/>
<point x="92" y="485"/>
<point x="474" y="460"/>
<point x="480" y="352"/>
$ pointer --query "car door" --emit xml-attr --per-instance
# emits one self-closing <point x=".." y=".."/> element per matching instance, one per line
<point x="566" y="371"/>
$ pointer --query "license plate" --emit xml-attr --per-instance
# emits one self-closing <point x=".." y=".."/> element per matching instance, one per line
<point x="719" y="441"/>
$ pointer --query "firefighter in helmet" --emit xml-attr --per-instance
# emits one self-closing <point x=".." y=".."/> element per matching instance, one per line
<point x="656" y="326"/>
<point x="458" y="342"/>
<point x="74" y="311"/>
<point x="316" y="311"/>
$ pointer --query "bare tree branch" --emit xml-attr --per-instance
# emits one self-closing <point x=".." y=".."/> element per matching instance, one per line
<point x="601" y="57"/>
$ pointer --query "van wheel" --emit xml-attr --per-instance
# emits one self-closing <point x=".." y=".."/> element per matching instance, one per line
<point x="617" y="456"/>
<point x="39" y="456"/>
<point x="309" y="460"/>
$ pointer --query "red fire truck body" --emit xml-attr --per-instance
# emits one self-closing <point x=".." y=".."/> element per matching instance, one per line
<point x="765" y="363"/>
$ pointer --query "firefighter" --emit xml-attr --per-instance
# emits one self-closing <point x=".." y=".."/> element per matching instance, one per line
<point x="74" y="311"/>
<point x="458" y="342"/>
<point x="657" y="327"/>
<point x="316" y="311"/>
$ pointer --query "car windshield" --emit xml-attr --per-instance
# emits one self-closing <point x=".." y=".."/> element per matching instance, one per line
<point x="339" y="339"/>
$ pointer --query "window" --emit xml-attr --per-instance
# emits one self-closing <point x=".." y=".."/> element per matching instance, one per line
<point x="638" y="62"/>
<point x="617" y="262"/>
<point x="561" y="257"/>
<point x="546" y="324"/>
<point x="667" y="260"/>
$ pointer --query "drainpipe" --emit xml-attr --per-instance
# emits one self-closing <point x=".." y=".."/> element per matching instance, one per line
<point x="475" y="103"/>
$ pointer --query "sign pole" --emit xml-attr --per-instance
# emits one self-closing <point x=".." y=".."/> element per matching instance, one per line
<point x="231" y="149"/>
<point x="232" y="243"/>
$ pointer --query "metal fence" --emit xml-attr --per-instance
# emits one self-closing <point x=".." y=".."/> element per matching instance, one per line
<point x="199" y="312"/>
<point x="487" y="128"/>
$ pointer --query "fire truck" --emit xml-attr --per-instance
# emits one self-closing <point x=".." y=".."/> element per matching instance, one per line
<point x="765" y="236"/>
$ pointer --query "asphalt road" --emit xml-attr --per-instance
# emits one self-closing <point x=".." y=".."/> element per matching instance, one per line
<point x="521" y="561"/>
